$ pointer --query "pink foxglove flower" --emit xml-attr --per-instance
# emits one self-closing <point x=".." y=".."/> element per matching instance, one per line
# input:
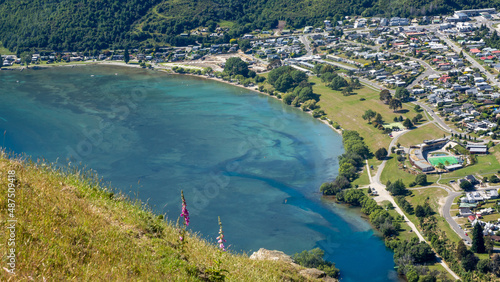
<point x="185" y="212"/>
<point x="221" y="239"/>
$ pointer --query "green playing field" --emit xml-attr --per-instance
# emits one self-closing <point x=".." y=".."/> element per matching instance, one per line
<point x="435" y="160"/>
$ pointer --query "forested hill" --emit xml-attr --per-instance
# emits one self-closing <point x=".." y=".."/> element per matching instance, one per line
<point x="69" y="24"/>
<point x="100" y="24"/>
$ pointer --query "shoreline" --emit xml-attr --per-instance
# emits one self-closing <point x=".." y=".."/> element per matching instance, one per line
<point x="167" y="70"/>
<point x="255" y="89"/>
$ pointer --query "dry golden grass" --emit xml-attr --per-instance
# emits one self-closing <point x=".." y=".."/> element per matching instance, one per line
<point x="70" y="228"/>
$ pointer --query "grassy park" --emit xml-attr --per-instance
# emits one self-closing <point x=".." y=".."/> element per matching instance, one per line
<point x="348" y="111"/>
<point x="392" y="172"/>
<point x="416" y="136"/>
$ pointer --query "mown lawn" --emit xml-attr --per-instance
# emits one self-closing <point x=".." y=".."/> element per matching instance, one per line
<point x="418" y="135"/>
<point x="486" y="165"/>
<point x="348" y="111"/>
<point x="405" y="232"/>
<point x="363" y="178"/>
<point x="392" y="172"/>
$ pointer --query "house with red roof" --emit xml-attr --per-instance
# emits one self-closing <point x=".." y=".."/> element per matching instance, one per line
<point x="444" y="78"/>
<point x="475" y="51"/>
<point x="444" y="66"/>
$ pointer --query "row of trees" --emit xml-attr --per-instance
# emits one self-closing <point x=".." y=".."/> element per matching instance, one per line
<point x="355" y="152"/>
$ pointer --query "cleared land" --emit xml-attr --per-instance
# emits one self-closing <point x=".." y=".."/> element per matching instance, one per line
<point x="392" y="172"/>
<point x="394" y="124"/>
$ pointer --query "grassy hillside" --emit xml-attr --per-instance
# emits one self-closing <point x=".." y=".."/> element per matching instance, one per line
<point x="98" y="24"/>
<point x="70" y="228"/>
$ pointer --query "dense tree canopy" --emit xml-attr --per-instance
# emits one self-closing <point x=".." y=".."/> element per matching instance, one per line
<point x="70" y="24"/>
<point x="478" y="239"/>
<point x="236" y="66"/>
<point x="99" y="24"/>
<point x="397" y="188"/>
<point x="402" y="94"/>
<point x="381" y="153"/>
<point x="314" y="258"/>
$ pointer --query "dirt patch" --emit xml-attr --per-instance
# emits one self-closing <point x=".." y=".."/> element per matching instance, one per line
<point x="497" y="155"/>
<point x="441" y="201"/>
<point x="281" y="25"/>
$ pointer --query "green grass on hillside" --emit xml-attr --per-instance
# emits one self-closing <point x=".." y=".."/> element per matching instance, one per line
<point x="4" y="51"/>
<point x="69" y="228"/>
<point x="436" y="197"/>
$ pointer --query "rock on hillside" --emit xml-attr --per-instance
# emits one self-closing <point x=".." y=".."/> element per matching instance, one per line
<point x="308" y="273"/>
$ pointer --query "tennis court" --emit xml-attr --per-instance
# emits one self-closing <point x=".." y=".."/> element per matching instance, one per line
<point x="394" y="124"/>
<point x="436" y="160"/>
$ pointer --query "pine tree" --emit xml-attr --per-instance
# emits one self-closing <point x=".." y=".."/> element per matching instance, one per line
<point x="126" y="56"/>
<point x="478" y="240"/>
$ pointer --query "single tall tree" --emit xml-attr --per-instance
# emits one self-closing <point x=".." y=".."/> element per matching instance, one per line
<point x="126" y="56"/>
<point x="1" y="61"/>
<point x="381" y="153"/>
<point x="478" y="239"/>
<point x="402" y="93"/>
<point x="407" y="123"/>
<point x="369" y="114"/>
<point x="385" y="96"/>
<point x="395" y="104"/>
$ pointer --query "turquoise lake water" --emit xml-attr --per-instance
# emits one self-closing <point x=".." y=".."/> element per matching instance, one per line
<point x="239" y="155"/>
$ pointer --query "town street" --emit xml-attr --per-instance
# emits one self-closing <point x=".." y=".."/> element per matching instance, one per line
<point x="474" y="63"/>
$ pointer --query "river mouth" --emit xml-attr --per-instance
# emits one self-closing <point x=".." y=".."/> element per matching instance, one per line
<point x="245" y="157"/>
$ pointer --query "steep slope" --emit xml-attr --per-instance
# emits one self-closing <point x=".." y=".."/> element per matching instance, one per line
<point x="99" y="24"/>
<point x="67" y="227"/>
<point x="69" y="24"/>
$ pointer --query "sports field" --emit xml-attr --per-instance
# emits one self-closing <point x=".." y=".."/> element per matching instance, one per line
<point x="435" y="160"/>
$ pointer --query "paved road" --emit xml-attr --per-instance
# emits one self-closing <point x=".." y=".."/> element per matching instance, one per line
<point x="307" y="44"/>
<point x="450" y="220"/>
<point x="336" y="64"/>
<point x="385" y="195"/>
<point x="436" y="118"/>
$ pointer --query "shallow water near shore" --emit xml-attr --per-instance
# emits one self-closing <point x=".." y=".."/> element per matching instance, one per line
<point x="245" y="157"/>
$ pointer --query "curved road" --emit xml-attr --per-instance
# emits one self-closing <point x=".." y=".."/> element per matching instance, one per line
<point x="385" y="195"/>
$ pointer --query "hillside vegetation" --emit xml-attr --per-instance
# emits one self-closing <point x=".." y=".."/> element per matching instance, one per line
<point x="70" y="228"/>
<point x="71" y="25"/>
